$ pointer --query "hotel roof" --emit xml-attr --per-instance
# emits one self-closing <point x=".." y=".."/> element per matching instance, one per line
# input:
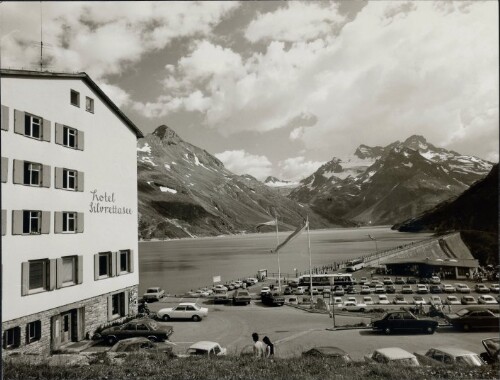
<point x="85" y="78"/>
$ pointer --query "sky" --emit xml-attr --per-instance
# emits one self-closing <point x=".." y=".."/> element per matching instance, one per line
<point x="279" y="88"/>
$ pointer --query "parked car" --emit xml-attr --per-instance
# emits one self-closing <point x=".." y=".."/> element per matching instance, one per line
<point x="481" y="288"/>
<point x="399" y="300"/>
<point x="391" y="289"/>
<point x="314" y="291"/>
<point x="237" y="284"/>
<point x="419" y="300"/>
<point x="474" y="317"/>
<point x="379" y="289"/>
<point x="141" y="344"/>
<point x="495" y="288"/>
<point x="450" y="355"/>
<point x="406" y="289"/>
<point x="273" y="299"/>
<point x="435" y="280"/>
<point x="251" y="281"/>
<point x="383" y="300"/>
<point x="388" y="281"/>
<point x="220" y="287"/>
<point x="447" y="288"/>
<point x="339" y="291"/>
<point x="392" y="355"/>
<point x="292" y="301"/>
<point x="468" y="300"/>
<point x="208" y="291"/>
<point x="452" y="300"/>
<point x="287" y="291"/>
<point x="368" y="300"/>
<point x="422" y="289"/>
<point x="365" y="289"/>
<point x="264" y="290"/>
<point x="486" y="299"/>
<point x="404" y="320"/>
<point x="435" y="289"/>
<point x="300" y="290"/>
<point x="185" y="310"/>
<point x="351" y="304"/>
<point x="154" y="293"/>
<point x="136" y="328"/>
<point x="206" y="348"/>
<point x="241" y="296"/>
<point x="411" y="280"/>
<point x="336" y="353"/>
<point x="337" y="301"/>
<point x="220" y="296"/>
<point x="374" y="284"/>
<point x="435" y="300"/>
<point x="363" y="281"/>
<point x="462" y="288"/>
<point x="351" y="290"/>
<point x="399" y="281"/>
<point x="492" y="354"/>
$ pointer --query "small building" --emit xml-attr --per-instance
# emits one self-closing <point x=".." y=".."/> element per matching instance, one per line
<point x="447" y="256"/>
<point x="69" y="210"/>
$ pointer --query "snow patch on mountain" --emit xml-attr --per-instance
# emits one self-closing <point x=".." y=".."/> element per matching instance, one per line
<point x="166" y="189"/>
<point x="145" y="149"/>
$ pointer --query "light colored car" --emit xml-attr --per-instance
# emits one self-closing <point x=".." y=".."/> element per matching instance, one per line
<point x="452" y="300"/>
<point x="368" y="300"/>
<point x="383" y="300"/>
<point x="495" y="288"/>
<point x="237" y="284"/>
<point x="379" y="289"/>
<point x="481" y="288"/>
<point x="399" y="300"/>
<point x="406" y="289"/>
<point x="351" y="304"/>
<point x="388" y="281"/>
<point x="292" y="300"/>
<point x="220" y="287"/>
<point x="264" y="290"/>
<point x="422" y="289"/>
<point x="436" y="300"/>
<point x="447" y="288"/>
<point x="205" y="348"/>
<point x="185" y="310"/>
<point x="252" y="280"/>
<point x="338" y="291"/>
<point x="435" y="280"/>
<point x="486" y="299"/>
<point x="362" y="280"/>
<point x="365" y="289"/>
<point x="394" y="355"/>
<point x="208" y="291"/>
<point x="462" y="288"/>
<point x="450" y="355"/>
<point x="468" y="300"/>
<point x="154" y="293"/>
<point x="419" y="300"/>
<point x="300" y="290"/>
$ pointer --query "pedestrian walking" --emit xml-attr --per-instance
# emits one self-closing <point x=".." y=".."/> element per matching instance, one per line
<point x="269" y="347"/>
<point x="259" y="350"/>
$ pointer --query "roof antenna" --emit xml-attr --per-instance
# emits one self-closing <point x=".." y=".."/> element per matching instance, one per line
<point x="41" y="37"/>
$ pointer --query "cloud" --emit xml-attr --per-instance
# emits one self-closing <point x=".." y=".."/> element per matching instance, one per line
<point x="120" y="97"/>
<point x="242" y="162"/>
<point x="297" y="168"/>
<point x="295" y="22"/>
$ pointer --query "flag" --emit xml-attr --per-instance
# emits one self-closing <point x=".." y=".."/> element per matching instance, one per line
<point x="216" y="279"/>
<point x="370" y="236"/>
<point x="270" y="223"/>
<point x="295" y="233"/>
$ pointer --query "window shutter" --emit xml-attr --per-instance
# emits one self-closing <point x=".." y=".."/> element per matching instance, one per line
<point x="4" y="222"/>
<point x="110" y="307"/>
<point x="59" y="134"/>
<point x="80" y="218"/>
<point x="18" y="171"/>
<point x="113" y="264"/>
<point x="25" y="274"/>
<point x="59" y="276"/>
<point x="79" y="268"/>
<point x="54" y="272"/>
<point x="80" y="178"/>
<point x="46" y="130"/>
<point x="96" y="267"/>
<point x="17" y="222"/>
<point x="131" y="260"/>
<point x="46" y="176"/>
<point x="59" y="178"/>
<point x="125" y="303"/>
<point x="5" y="168"/>
<point x="45" y="222"/>
<point x="58" y="222"/>
<point x="5" y="118"/>
<point x="19" y="122"/>
<point x="80" y="140"/>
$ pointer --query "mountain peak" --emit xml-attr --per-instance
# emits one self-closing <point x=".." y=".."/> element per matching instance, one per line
<point x="164" y="132"/>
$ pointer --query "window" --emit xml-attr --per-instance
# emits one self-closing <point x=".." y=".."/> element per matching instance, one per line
<point x="124" y="257"/>
<point x="69" y="137"/>
<point x="31" y="222"/>
<point x="68" y="270"/>
<point x="32" y="174"/>
<point x="38" y="275"/>
<point x="75" y="98"/>
<point x="33" y="126"/>
<point x="69" y="179"/>
<point x="104" y="265"/>
<point x="69" y="221"/>
<point x="89" y="104"/>
<point x="12" y="338"/>
<point x="117" y="301"/>
<point x="33" y="331"/>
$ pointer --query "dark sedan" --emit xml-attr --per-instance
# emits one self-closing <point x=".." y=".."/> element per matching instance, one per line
<point x="144" y="327"/>
<point x="474" y="317"/>
<point x="404" y="321"/>
<point x="329" y="352"/>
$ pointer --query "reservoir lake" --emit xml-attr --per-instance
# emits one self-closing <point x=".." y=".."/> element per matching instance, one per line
<point x="184" y="264"/>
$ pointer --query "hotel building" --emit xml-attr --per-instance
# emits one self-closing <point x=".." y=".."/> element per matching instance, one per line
<point x="69" y="210"/>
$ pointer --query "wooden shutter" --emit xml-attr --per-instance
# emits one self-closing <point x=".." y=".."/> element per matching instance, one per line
<point x="110" y="307"/>
<point x="46" y="130"/>
<point x="45" y="222"/>
<point x="46" y="176"/>
<point x="18" y="171"/>
<point x="53" y="273"/>
<point x="80" y="219"/>
<point x="17" y="222"/>
<point x="5" y="169"/>
<point x="4" y="222"/>
<point x="131" y="261"/>
<point x="80" y="140"/>
<point x="59" y="276"/>
<point x="80" y="179"/>
<point x="25" y="281"/>
<point x="58" y="222"/>
<point x="113" y="264"/>
<point x="79" y="269"/>
<point x="125" y="303"/>
<point x="96" y="267"/>
<point x="59" y="134"/>
<point x="117" y="261"/>
<point x="5" y="118"/>
<point x="19" y="122"/>
<point x="59" y="178"/>
<point x="80" y="316"/>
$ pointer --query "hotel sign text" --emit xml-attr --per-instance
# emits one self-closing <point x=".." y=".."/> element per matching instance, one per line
<point x="104" y="203"/>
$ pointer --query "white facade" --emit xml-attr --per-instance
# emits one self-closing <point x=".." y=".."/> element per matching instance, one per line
<point x="108" y="164"/>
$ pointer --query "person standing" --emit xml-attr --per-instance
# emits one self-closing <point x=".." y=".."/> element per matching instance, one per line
<point x="269" y="347"/>
<point x="259" y="350"/>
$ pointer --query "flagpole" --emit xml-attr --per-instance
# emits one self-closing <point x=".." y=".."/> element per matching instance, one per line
<point x="278" y="243"/>
<point x="310" y="261"/>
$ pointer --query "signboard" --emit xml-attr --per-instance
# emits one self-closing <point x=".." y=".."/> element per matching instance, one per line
<point x="216" y="279"/>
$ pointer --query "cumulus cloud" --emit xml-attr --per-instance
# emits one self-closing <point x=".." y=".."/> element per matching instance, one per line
<point x="297" y="168"/>
<point x="242" y="162"/>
